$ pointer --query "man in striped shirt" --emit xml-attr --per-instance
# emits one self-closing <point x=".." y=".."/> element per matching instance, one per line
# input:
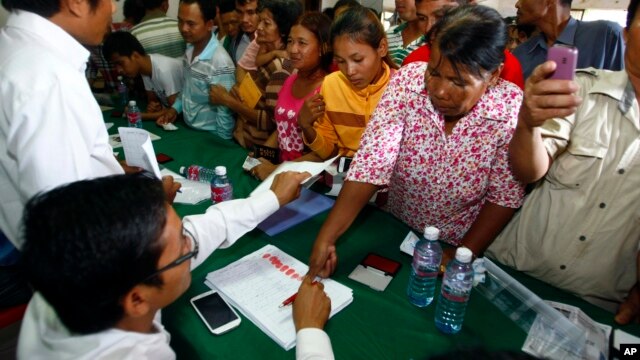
<point x="206" y="63"/>
<point x="157" y="32"/>
<point x="409" y="35"/>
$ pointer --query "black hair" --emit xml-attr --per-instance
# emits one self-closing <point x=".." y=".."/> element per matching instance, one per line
<point x="566" y="3"/>
<point x="133" y="9"/>
<point x="44" y="8"/>
<point x="320" y="25"/>
<point x="361" y="25"/>
<point x="152" y="4"/>
<point x="123" y="43"/>
<point x="631" y="12"/>
<point x="285" y="13"/>
<point x="348" y="3"/>
<point x="207" y="8"/>
<point x="329" y="12"/>
<point x="226" y="6"/>
<point x="90" y="242"/>
<point x="375" y="12"/>
<point x="245" y="2"/>
<point x="472" y="37"/>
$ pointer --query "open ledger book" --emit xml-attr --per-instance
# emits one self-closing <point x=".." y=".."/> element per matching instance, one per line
<point x="258" y="283"/>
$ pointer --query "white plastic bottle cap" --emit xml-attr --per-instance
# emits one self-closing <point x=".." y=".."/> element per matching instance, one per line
<point x="182" y="169"/>
<point x="221" y="170"/>
<point x="464" y="255"/>
<point x="431" y="233"/>
<point x="132" y="103"/>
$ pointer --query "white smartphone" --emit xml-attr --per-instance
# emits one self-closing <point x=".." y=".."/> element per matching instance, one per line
<point x="215" y="312"/>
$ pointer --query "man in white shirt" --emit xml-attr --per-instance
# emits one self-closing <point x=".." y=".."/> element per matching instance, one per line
<point x="162" y="75"/>
<point x="105" y="255"/>
<point x="51" y="128"/>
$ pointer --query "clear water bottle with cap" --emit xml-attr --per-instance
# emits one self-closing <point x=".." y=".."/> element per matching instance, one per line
<point x="123" y="92"/>
<point x="198" y="173"/>
<point x="221" y="189"/>
<point x="427" y="256"/>
<point x="134" y="117"/>
<point x="454" y="295"/>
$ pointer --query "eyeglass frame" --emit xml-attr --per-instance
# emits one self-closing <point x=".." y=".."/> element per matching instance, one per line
<point x="177" y="262"/>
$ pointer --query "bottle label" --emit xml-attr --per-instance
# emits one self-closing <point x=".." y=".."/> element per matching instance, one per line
<point x="221" y="193"/>
<point x="134" y="119"/>
<point x="193" y="172"/>
<point x="455" y="297"/>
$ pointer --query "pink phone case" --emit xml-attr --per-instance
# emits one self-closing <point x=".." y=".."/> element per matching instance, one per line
<point x="566" y="59"/>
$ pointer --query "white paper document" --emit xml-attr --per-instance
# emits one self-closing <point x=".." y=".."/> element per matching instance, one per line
<point x="115" y="140"/>
<point x="596" y="345"/>
<point x="138" y="150"/>
<point x="314" y="168"/>
<point x="257" y="285"/>
<point x="191" y="192"/>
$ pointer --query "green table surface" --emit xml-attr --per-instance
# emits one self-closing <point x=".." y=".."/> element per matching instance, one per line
<point x="377" y="325"/>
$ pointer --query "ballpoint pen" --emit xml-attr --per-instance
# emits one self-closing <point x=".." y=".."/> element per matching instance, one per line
<point x="289" y="300"/>
<point x="292" y="298"/>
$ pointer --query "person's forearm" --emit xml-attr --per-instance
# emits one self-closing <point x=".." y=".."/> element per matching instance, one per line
<point x="528" y="155"/>
<point x="490" y="221"/>
<point x="152" y="115"/>
<point x="352" y="198"/>
<point x="320" y="146"/>
<point x="309" y="134"/>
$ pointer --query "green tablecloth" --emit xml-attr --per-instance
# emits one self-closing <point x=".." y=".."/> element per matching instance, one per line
<point x="377" y="325"/>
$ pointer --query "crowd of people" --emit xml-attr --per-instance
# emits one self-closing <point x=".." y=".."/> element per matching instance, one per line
<point x="451" y="117"/>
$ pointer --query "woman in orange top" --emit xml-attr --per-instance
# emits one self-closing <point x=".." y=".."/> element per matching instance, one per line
<point x="333" y="121"/>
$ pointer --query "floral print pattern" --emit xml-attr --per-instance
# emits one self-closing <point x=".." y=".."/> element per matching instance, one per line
<point x="435" y="179"/>
<point x="286" y="118"/>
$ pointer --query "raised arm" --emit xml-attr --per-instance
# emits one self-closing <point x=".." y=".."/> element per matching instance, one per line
<point x="543" y="99"/>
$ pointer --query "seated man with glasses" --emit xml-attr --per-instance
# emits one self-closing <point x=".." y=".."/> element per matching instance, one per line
<point x="105" y="255"/>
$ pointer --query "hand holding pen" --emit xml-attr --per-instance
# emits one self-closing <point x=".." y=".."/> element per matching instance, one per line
<point x="311" y="305"/>
<point x="288" y="301"/>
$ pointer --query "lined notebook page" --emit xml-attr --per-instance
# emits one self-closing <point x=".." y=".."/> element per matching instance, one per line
<point x="258" y="283"/>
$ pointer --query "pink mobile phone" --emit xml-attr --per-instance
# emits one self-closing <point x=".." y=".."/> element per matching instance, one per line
<point x="566" y="59"/>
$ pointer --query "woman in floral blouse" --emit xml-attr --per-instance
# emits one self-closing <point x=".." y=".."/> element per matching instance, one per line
<point x="439" y="139"/>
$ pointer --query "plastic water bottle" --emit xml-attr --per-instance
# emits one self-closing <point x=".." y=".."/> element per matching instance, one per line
<point x="134" y="118"/>
<point x="198" y="173"/>
<point x="123" y="92"/>
<point x="221" y="189"/>
<point x="427" y="256"/>
<point x="456" y="287"/>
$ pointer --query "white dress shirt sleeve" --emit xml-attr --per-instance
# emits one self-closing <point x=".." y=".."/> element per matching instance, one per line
<point x="313" y="344"/>
<point x="222" y="224"/>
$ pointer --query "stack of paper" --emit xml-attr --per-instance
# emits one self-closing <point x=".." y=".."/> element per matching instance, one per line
<point x="258" y="283"/>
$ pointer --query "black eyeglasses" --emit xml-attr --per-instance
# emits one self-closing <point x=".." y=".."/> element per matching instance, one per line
<point x="191" y="254"/>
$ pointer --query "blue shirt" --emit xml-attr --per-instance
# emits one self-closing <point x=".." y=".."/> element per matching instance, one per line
<point x="212" y="66"/>
<point x="600" y="45"/>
